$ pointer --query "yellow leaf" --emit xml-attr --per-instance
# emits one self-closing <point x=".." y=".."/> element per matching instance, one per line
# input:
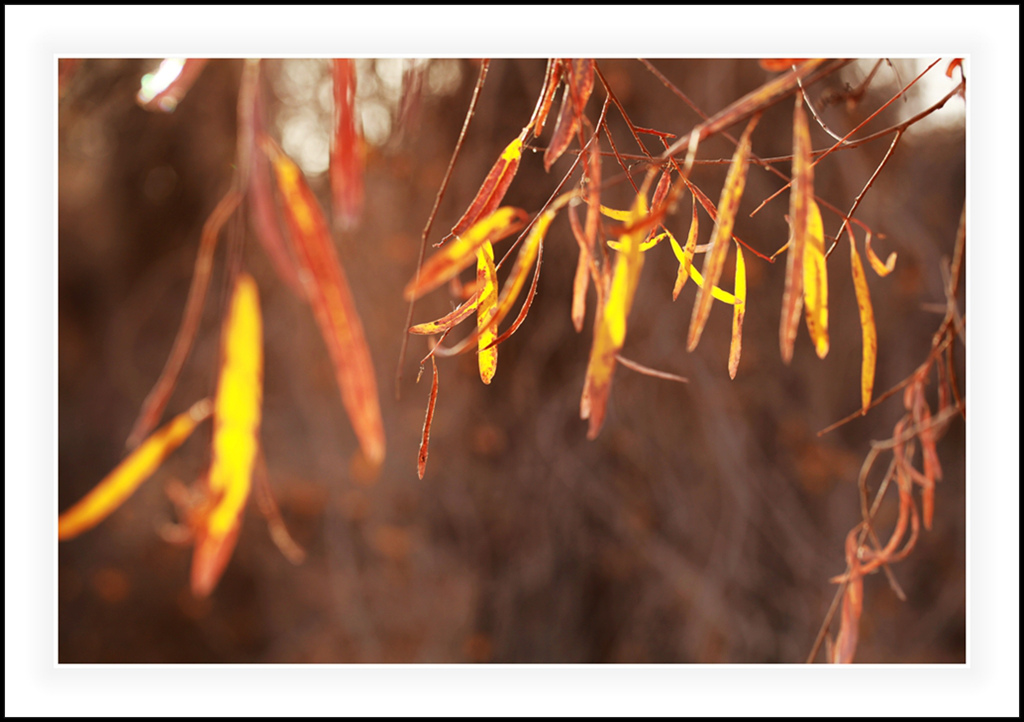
<point x="714" y="260"/>
<point x="685" y="255"/>
<point x="450" y="320"/>
<point x="459" y="253"/>
<point x="869" y="337"/>
<point x="800" y="196"/>
<point x="236" y="424"/>
<point x="138" y="466"/>
<point x="610" y="327"/>
<point x="816" y="282"/>
<point x="738" y="312"/>
<point x="487" y="279"/>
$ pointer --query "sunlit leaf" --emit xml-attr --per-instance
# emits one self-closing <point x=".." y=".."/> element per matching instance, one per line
<point x="739" y="309"/>
<point x="816" y="282"/>
<point x="448" y="321"/>
<point x="685" y="255"/>
<point x="579" y="84"/>
<point x="714" y="260"/>
<point x="487" y="279"/>
<point x="328" y="293"/>
<point x="493" y="189"/>
<point x="347" y="150"/>
<point x="882" y="269"/>
<point x="869" y="336"/>
<point x="610" y="325"/>
<point x="460" y="253"/>
<point x="587" y="239"/>
<point x="523" y="263"/>
<point x="166" y="87"/>
<point x="421" y="462"/>
<point x="800" y="196"/>
<point x="138" y="466"/>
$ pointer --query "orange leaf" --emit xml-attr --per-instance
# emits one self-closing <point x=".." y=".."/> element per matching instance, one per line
<point x="588" y="238"/>
<point x="421" y="463"/>
<point x="493" y="189"/>
<point x="869" y="336"/>
<point x="853" y="602"/>
<point x="714" y="260"/>
<point x="579" y="84"/>
<point x="882" y="269"/>
<point x="156" y="401"/>
<point x="328" y="293"/>
<point x="554" y="77"/>
<point x="347" y="151"/>
<point x="237" y="412"/>
<point x="816" y="282"/>
<point x="165" y="88"/>
<point x="487" y="279"/>
<point x="457" y="255"/>
<point x="800" y="196"/>
<point x="953" y="65"/>
<point x="610" y="325"/>
<point x="138" y="466"/>
<point x="740" y="291"/>
<point x="775" y="65"/>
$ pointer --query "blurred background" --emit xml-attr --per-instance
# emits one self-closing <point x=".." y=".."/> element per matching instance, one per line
<point x="702" y="525"/>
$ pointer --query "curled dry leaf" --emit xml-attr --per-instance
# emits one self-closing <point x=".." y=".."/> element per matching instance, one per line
<point x="327" y="291"/>
<point x="554" y="77"/>
<point x="739" y="309"/>
<point x="579" y="84"/>
<point x="869" y="336"/>
<point x="714" y="260"/>
<point x="347" y="150"/>
<point x="138" y="466"/>
<point x="800" y="197"/>
<point x="421" y="462"/>
<point x="460" y="253"/>
<point x="816" y="282"/>
<point x="237" y="412"/>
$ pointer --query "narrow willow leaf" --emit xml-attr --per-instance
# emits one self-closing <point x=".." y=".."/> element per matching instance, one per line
<point x="347" y="150"/>
<point x="709" y="206"/>
<point x="816" y="282"/>
<point x="449" y="321"/>
<point x="685" y="258"/>
<point x="421" y="461"/>
<point x="685" y="255"/>
<point x="882" y="269"/>
<point x="524" y="262"/>
<point x="460" y="253"/>
<point x="800" y="196"/>
<point x="327" y="291"/>
<point x="554" y="77"/>
<point x="237" y="411"/>
<point x="739" y="310"/>
<point x="869" y="336"/>
<point x="156" y="401"/>
<point x="165" y="88"/>
<point x="587" y="241"/>
<point x="487" y="279"/>
<point x="645" y="246"/>
<point x="775" y="65"/>
<point x="579" y="84"/>
<point x="493" y="189"/>
<point x="714" y="260"/>
<point x="138" y="466"/>
<point x="610" y="326"/>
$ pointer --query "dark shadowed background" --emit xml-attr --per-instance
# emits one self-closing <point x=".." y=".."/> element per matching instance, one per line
<point x="702" y="525"/>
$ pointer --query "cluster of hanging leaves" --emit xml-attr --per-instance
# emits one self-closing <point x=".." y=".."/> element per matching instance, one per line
<point x="612" y="246"/>
<point x="301" y="249"/>
<point x="613" y="268"/>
